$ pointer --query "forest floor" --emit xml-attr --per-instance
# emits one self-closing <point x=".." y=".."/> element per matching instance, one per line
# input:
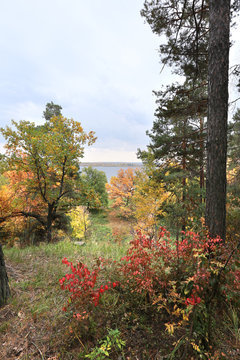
<point x="33" y="325"/>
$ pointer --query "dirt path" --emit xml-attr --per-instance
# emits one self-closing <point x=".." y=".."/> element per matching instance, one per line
<point x="121" y="228"/>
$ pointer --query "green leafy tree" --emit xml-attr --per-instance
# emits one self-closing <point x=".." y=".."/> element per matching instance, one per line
<point x="233" y="177"/>
<point x="234" y="140"/>
<point x="3" y="168"/>
<point x="51" y="153"/>
<point x="52" y="110"/>
<point x="93" y="192"/>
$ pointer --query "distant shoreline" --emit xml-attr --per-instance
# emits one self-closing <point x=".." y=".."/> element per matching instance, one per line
<point x="111" y="164"/>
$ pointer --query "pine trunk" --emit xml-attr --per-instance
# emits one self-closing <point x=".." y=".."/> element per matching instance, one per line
<point x="4" y="287"/>
<point x="218" y="64"/>
<point x="201" y="180"/>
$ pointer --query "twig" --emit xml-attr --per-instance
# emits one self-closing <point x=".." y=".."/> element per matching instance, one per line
<point x="234" y="101"/>
<point x="220" y="272"/>
<point x="38" y="350"/>
<point x="231" y="254"/>
<point x="80" y="341"/>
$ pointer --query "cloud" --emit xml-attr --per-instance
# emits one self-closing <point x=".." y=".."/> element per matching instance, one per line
<point x="108" y="154"/>
<point x="97" y="59"/>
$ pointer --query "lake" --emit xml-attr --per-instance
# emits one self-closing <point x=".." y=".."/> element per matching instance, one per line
<point x="111" y="169"/>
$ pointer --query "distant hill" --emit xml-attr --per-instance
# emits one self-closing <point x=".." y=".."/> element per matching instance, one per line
<point x="111" y="164"/>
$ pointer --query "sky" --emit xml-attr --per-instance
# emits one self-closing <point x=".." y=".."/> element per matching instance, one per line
<point x="97" y="59"/>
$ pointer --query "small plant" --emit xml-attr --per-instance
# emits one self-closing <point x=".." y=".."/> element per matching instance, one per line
<point x="111" y="342"/>
<point x="82" y="284"/>
<point x="234" y="326"/>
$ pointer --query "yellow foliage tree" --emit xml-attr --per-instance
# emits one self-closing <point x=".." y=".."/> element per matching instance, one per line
<point x="148" y="199"/>
<point x="79" y="220"/>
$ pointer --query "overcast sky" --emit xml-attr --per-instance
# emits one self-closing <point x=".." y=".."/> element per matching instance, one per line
<point x="97" y="59"/>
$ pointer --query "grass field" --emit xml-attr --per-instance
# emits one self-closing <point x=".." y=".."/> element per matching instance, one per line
<point x="33" y="325"/>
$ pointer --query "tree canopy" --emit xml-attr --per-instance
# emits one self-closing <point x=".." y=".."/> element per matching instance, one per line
<point x="93" y="192"/>
<point x="51" y="153"/>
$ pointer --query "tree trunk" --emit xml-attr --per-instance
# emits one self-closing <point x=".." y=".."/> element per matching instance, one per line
<point x="4" y="287"/>
<point x="218" y="64"/>
<point x="49" y="222"/>
<point x="184" y="168"/>
<point x="201" y="181"/>
<point x="184" y="191"/>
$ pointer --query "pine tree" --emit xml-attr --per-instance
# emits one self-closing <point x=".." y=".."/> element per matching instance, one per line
<point x="218" y="65"/>
<point x="197" y="35"/>
<point x="177" y="141"/>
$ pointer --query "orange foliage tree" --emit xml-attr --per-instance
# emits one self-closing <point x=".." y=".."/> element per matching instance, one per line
<point x="16" y="202"/>
<point x="121" y="190"/>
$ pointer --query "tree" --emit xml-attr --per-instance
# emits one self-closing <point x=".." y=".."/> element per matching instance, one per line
<point x="4" y="204"/>
<point x="52" y="110"/>
<point x="93" y="192"/>
<point x="185" y="26"/>
<point x="218" y="64"/>
<point x="191" y="27"/>
<point x="233" y="179"/>
<point x="51" y="153"/>
<point x="148" y="199"/>
<point x="79" y="220"/>
<point x="178" y="133"/>
<point x="4" y="287"/>
<point x="14" y="199"/>
<point x="234" y="140"/>
<point x="177" y="143"/>
<point x="121" y="190"/>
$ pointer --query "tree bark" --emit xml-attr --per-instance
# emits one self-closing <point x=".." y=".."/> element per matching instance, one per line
<point x="218" y="64"/>
<point x="49" y="222"/>
<point x="201" y="180"/>
<point x="184" y="166"/>
<point x="4" y="287"/>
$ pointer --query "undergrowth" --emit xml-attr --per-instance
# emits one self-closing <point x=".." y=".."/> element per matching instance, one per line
<point x="146" y="302"/>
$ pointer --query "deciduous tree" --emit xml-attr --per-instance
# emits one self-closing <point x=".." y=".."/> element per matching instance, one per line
<point x="121" y="190"/>
<point x="51" y="153"/>
<point x="79" y="220"/>
<point x="93" y="192"/>
<point x="148" y="199"/>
